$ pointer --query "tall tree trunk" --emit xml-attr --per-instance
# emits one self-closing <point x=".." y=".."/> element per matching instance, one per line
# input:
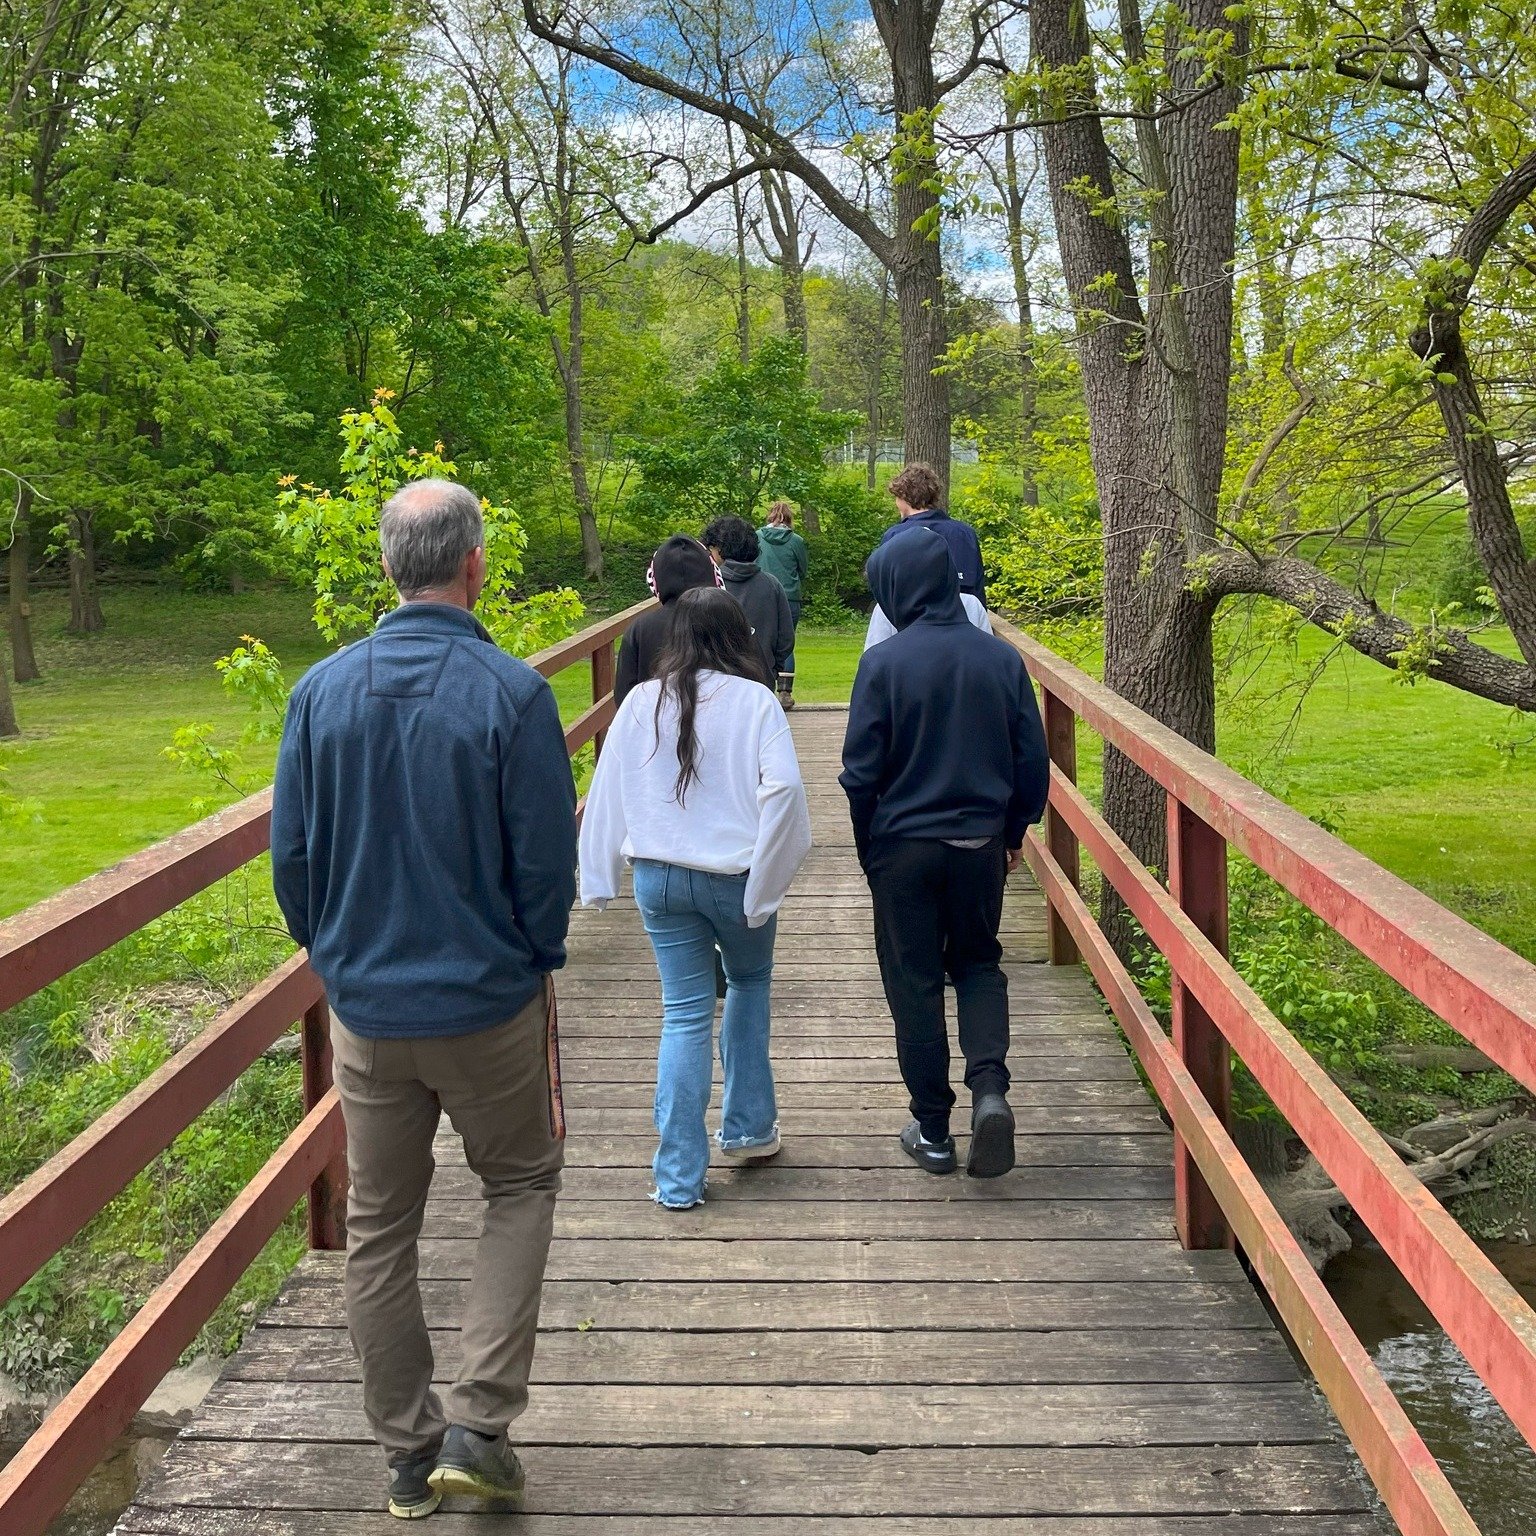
<point x="924" y="390"/>
<point x="873" y="413"/>
<point x="743" y="296"/>
<point x="23" y="656"/>
<point x="784" y="220"/>
<point x="743" y="280"/>
<point x="797" y="322"/>
<point x="575" y="436"/>
<point x="572" y="366"/>
<point x="85" y="615"/>
<point x="1023" y="298"/>
<point x="1029" y="391"/>
<point x="1157" y="413"/>
<point x="1491" y="520"/>
<point x="917" y="268"/>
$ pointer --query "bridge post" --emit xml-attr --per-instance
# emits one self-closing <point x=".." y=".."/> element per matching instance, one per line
<point x="602" y="686"/>
<point x="1197" y="880"/>
<point x="328" y="1194"/>
<point x="1060" y="840"/>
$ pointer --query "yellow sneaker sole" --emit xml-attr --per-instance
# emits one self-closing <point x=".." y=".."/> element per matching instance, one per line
<point x="417" y="1511"/>
<point x="459" y="1482"/>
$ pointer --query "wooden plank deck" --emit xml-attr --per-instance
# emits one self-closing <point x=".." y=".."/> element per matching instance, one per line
<point x="837" y="1344"/>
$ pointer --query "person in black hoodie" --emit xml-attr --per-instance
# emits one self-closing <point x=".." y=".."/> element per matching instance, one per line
<point x="733" y="543"/>
<point x="944" y="766"/>
<point x="678" y="566"/>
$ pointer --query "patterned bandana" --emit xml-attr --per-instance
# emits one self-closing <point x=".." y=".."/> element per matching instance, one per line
<point x="650" y="573"/>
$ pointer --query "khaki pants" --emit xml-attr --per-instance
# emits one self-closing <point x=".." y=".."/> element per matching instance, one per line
<point x="495" y="1087"/>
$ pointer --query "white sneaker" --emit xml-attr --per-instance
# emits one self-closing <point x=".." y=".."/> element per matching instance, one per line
<point x="759" y="1152"/>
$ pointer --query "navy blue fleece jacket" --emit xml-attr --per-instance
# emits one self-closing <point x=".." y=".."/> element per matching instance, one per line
<point x="960" y="537"/>
<point x="944" y="735"/>
<point x="424" y="827"/>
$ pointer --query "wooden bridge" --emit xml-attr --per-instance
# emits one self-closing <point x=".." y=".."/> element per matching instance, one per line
<point x="835" y="1342"/>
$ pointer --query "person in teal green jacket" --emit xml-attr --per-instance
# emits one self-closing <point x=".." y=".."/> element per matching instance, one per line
<point x="782" y="553"/>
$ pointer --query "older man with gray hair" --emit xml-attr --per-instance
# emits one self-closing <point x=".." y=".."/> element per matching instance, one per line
<point x="424" y="852"/>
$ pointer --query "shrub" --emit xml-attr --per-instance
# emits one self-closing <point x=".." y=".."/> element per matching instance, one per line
<point x="1458" y="576"/>
<point x="852" y="520"/>
<point x="747" y="432"/>
<point x="1043" y="562"/>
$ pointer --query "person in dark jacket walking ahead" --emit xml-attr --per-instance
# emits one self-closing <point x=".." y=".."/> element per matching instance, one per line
<point x="917" y="494"/>
<point x="680" y="565"/>
<point x="945" y="766"/>
<point x="782" y="553"/>
<point x="733" y="543"/>
<point x="424" y="853"/>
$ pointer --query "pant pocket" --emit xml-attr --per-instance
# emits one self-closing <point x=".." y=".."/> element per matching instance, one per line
<point x="652" y="882"/>
<point x="352" y="1053"/>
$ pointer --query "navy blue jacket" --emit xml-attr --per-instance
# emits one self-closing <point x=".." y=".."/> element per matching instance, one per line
<point x="424" y="827"/>
<point x="964" y="546"/>
<point x="944" y="735"/>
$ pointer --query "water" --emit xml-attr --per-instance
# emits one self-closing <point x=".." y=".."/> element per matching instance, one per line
<point x="1483" y="1454"/>
<point x="109" y="1490"/>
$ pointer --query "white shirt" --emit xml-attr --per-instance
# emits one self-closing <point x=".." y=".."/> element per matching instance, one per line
<point x="745" y="811"/>
<point x="881" y="628"/>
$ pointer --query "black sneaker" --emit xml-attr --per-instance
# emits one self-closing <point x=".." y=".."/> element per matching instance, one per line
<point x="991" y="1137"/>
<point x="931" y="1157"/>
<point x="475" y="1466"/>
<point x="411" y="1495"/>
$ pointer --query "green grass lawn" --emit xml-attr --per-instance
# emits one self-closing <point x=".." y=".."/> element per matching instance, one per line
<point x="1411" y="777"/>
<point x="96" y="726"/>
<point x="91" y="760"/>
<point x="1408" y="775"/>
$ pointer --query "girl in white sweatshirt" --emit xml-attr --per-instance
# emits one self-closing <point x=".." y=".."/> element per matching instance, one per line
<point x="699" y="788"/>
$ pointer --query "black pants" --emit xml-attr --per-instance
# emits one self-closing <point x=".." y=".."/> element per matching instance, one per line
<point x="937" y="912"/>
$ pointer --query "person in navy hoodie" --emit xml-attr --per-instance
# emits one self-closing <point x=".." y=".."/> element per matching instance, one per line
<point x="917" y="493"/>
<point x="944" y="766"/>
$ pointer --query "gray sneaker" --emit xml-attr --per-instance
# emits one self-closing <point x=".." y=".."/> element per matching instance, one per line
<point x="475" y="1466"/>
<point x="411" y="1496"/>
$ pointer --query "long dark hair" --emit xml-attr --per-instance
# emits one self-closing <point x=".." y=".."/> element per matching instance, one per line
<point x="707" y="631"/>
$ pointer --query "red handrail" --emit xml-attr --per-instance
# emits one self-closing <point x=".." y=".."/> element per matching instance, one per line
<point x="48" y="1209"/>
<point x="1476" y="985"/>
<point x="1480" y="988"/>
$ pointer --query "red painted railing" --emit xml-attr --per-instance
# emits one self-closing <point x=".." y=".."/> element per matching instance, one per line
<point x="1481" y="989"/>
<point x="46" y="1211"/>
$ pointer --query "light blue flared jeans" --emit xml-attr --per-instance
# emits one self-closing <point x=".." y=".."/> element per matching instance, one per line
<point x="687" y="913"/>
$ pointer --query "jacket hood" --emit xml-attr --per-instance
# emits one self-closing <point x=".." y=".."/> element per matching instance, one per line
<point x="914" y="580"/>
<point x="680" y="565"/>
<point x="773" y="534"/>
<point x="740" y="570"/>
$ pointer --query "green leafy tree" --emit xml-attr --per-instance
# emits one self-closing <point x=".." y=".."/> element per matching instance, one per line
<point x="136" y="288"/>
<point x="380" y="299"/>
<point x="747" y="431"/>
<point x="334" y="536"/>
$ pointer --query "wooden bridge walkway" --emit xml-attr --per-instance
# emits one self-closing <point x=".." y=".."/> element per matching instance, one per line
<point x="835" y="1343"/>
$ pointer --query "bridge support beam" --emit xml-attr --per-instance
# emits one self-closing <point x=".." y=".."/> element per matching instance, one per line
<point x="1060" y="839"/>
<point x="328" y="1194"/>
<point x="602" y="686"/>
<point x="1197" y="880"/>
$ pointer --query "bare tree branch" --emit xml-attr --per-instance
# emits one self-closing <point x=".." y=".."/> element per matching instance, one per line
<point x="793" y="159"/>
<point x="1306" y="399"/>
<point x="734" y="177"/>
